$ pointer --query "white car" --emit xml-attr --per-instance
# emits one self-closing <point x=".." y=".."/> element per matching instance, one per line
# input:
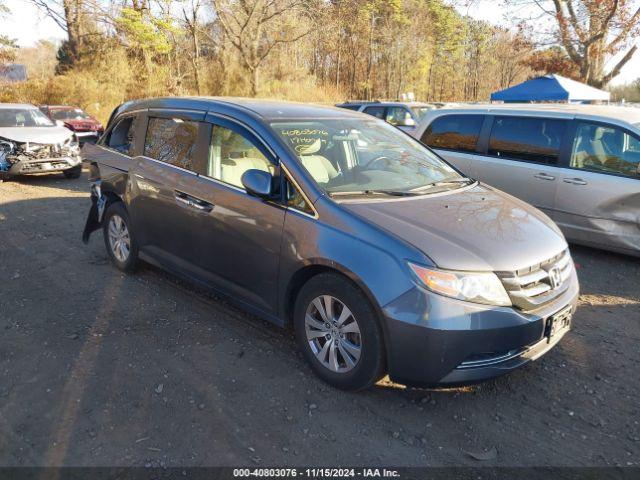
<point x="31" y="143"/>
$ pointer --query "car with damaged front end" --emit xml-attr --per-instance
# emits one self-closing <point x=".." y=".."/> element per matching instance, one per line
<point x="381" y="256"/>
<point x="31" y="143"/>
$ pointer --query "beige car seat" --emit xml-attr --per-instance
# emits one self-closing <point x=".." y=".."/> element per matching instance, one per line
<point x="599" y="153"/>
<point x="320" y="168"/>
<point x="589" y="150"/>
<point x="232" y="155"/>
<point x="233" y="168"/>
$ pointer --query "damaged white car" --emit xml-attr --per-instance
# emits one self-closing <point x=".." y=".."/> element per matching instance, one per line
<point x="31" y="143"/>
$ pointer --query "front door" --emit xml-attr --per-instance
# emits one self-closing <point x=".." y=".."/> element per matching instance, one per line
<point x="598" y="198"/>
<point x="238" y="243"/>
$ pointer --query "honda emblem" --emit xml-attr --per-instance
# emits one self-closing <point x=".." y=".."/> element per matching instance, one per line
<point x="555" y="278"/>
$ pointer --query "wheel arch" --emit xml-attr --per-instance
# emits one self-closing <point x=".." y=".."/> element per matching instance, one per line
<point x="306" y="272"/>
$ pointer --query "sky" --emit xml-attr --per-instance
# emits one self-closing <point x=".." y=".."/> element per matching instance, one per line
<point x="27" y="25"/>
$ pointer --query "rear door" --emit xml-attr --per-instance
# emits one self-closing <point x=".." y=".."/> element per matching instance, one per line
<point x="522" y="157"/>
<point x="455" y="138"/>
<point x="598" y="198"/>
<point x="164" y="212"/>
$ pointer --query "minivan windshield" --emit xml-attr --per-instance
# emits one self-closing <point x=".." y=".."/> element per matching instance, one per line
<point x="23" y="117"/>
<point x="361" y="156"/>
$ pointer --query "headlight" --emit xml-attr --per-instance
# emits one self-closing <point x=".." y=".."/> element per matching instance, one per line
<point x="7" y="146"/>
<point x="478" y="287"/>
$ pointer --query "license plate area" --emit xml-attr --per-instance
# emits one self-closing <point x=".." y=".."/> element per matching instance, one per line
<point x="559" y="322"/>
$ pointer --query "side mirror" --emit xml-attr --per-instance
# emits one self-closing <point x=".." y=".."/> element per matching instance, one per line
<point x="258" y="183"/>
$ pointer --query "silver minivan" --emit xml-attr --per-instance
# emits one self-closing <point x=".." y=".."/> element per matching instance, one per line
<point x="580" y="164"/>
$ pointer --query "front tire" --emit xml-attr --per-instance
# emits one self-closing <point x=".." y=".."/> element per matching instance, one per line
<point x="337" y="330"/>
<point x="118" y="238"/>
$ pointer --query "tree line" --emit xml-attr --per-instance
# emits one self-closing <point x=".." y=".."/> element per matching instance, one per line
<point x="313" y="50"/>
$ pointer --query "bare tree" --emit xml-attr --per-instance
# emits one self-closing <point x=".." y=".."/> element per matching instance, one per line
<point x="68" y="15"/>
<point x="252" y="28"/>
<point x="591" y="32"/>
<point x="193" y="29"/>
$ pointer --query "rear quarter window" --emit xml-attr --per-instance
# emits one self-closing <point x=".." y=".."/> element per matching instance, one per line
<point x="122" y="135"/>
<point x="454" y="132"/>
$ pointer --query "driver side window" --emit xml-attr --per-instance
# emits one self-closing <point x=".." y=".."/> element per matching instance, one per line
<point x="606" y="149"/>
<point x="231" y="154"/>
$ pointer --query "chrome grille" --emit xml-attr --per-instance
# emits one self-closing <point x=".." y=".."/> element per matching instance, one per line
<point x="538" y="284"/>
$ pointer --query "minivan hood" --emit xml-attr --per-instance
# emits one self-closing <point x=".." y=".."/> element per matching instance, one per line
<point x="45" y="135"/>
<point x="477" y="228"/>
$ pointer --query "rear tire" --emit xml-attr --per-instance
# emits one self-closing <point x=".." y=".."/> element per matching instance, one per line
<point x="119" y="239"/>
<point x="73" y="172"/>
<point x="337" y="330"/>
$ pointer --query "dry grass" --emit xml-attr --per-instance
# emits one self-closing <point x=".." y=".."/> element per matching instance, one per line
<point x="100" y="86"/>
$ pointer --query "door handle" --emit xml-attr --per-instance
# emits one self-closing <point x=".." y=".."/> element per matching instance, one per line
<point x="201" y="205"/>
<point x="544" y="176"/>
<point x="574" y="181"/>
<point x="193" y="202"/>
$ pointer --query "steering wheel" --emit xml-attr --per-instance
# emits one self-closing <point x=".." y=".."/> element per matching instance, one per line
<point x="374" y="160"/>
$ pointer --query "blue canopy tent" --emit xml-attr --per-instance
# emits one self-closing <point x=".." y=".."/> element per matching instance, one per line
<point x="550" y="88"/>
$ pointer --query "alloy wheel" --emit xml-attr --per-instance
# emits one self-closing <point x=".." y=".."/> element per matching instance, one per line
<point x="333" y="334"/>
<point x="119" y="239"/>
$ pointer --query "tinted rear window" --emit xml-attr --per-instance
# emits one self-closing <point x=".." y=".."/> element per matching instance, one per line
<point x="524" y="138"/>
<point x="454" y="132"/>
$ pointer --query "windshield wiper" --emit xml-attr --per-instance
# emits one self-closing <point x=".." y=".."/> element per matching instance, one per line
<point x="443" y="183"/>
<point x="394" y="193"/>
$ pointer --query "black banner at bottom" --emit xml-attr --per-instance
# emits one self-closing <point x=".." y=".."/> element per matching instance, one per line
<point x="305" y="473"/>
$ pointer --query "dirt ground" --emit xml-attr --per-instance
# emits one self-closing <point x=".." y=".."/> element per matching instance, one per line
<point x="98" y="368"/>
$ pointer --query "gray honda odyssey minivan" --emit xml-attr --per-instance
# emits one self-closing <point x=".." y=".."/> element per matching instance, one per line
<point x="380" y="255"/>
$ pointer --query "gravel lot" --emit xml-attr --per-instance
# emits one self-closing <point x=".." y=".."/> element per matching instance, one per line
<point x="103" y="369"/>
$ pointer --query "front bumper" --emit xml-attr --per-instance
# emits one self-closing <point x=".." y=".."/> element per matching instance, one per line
<point x="46" y="165"/>
<point x="438" y="341"/>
